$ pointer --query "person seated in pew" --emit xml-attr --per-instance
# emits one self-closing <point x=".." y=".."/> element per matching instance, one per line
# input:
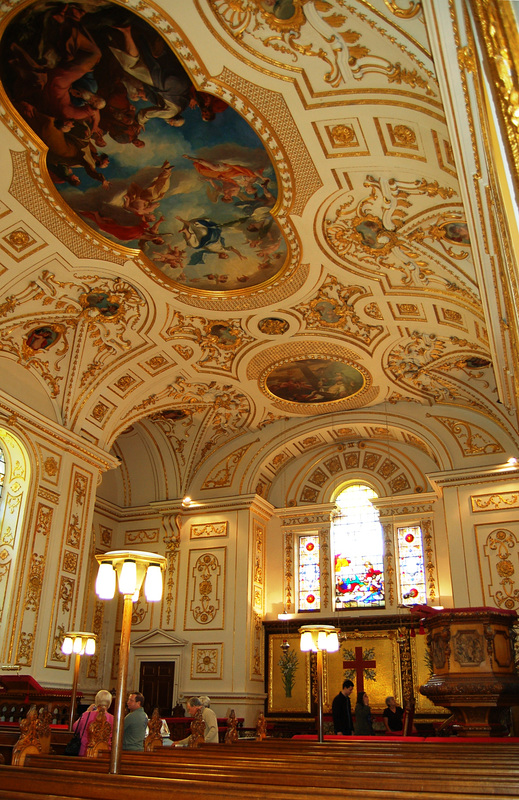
<point x="103" y="699"/>
<point x="135" y="723"/>
<point x="363" y="720"/>
<point x="209" y="717"/>
<point x="393" y="717"/>
<point x="166" y="741"/>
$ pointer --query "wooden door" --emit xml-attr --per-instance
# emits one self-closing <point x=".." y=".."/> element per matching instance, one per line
<point x="156" y="683"/>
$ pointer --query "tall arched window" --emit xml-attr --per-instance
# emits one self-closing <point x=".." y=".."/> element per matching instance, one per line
<point x="358" y="550"/>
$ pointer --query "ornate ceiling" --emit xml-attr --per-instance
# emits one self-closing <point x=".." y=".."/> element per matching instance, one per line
<point x="327" y="290"/>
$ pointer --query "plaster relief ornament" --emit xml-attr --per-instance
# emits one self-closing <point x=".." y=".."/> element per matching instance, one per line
<point x="345" y="37"/>
<point x="96" y="83"/>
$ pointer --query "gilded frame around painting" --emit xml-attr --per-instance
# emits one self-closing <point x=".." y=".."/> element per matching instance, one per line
<point x="289" y="676"/>
<point x="422" y="670"/>
<point x="382" y="681"/>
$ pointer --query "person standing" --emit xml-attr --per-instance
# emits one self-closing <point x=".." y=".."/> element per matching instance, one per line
<point x="363" y="719"/>
<point x="341" y="710"/>
<point x="209" y="717"/>
<point x="103" y="699"/>
<point x="135" y="723"/>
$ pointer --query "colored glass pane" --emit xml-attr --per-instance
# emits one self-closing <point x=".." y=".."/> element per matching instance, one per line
<point x="358" y="549"/>
<point x="309" y="574"/>
<point x="411" y="565"/>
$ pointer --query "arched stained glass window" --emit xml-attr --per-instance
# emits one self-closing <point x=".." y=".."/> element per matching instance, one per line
<point x="358" y="548"/>
<point x="411" y="565"/>
<point x="309" y="574"/>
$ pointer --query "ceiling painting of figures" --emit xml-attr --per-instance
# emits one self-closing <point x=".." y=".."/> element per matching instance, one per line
<point x="314" y="380"/>
<point x="139" y="153"/>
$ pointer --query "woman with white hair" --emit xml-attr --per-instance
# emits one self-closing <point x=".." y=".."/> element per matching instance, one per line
<point x="205" y="700"/>
<point x="103" y="699"/>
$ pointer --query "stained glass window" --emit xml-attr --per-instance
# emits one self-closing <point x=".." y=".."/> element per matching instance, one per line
<point x="411" y="564"/>
<point x="358" y="548"/>
<point x="309" y="574"/>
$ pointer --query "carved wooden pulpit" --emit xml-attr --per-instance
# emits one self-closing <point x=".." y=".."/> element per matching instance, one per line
<point x="474" y="673"/>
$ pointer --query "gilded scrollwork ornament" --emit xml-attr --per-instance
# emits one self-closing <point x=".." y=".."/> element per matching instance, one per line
<point x="332" y="308"/>
<point x="292" y="31"/>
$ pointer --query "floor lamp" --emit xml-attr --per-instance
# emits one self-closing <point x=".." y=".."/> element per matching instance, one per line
<point x="81" y="644"/>
<point x="319" y="639"/>
<point x="128" y="568"/>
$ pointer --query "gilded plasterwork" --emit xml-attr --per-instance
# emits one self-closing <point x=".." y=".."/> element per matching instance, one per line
<point x="33" y="583"/>
<point x="208" y="530"/>
<point x="142" y="536"/>
<point x="223" y="473"/>
<point x="172" y="531"/>
<point x="472" y="439"/>
<point x="74" y="534"/>
<point x="343" y="38"/>
<point x="206" y="661"/>
<point x="257" y="600"/>
<point x="205" y="590"/>
<point x="494" y="502"/>
<point x="501" y="549"/>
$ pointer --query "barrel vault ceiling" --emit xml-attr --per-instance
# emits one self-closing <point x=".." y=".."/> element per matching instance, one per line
<point x="325" y="282"/>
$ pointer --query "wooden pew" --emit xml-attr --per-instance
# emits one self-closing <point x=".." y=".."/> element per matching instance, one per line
<point x="91" y="785"/>
<point x="446" y="777"/>
<point x="322" y="770"/>
<point x="403" y="770"/>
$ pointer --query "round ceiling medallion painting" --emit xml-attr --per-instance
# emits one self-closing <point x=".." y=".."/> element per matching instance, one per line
<point x="314" y="380"/>
<point x="137" y="150"/>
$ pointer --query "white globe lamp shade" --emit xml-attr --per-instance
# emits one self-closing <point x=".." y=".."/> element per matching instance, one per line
<point x="307" y="641"/>
<point x="153" y="583"/>
<point x="128" y="577"/>
<point x="105" y="583"/>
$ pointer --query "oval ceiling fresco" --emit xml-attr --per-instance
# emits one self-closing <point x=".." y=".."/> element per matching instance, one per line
<point x="139" y="153"/>
<point x="314" y="380"/>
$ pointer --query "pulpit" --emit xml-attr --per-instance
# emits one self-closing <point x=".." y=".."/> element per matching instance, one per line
<point x="474" y="673"/>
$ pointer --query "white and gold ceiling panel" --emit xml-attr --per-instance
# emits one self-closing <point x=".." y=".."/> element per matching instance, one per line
<point x="323" y="261"/>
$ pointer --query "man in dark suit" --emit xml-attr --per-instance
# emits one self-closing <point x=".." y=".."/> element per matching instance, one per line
<point x="341" y="710"/>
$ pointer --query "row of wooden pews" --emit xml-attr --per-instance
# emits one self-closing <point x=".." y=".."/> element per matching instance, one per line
<point x="279" y="769"/>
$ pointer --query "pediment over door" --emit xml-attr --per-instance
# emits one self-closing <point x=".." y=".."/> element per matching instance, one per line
<point x="158" y="638"/>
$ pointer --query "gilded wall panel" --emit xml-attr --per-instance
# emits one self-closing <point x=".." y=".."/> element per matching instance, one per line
<point x="257" y="601"/>
<point x="289" y="676"/>
<point x="205" y="590"/>
<point x="498" y="553"/>
<point x="35" y="575"/>
<point x="142" y="536"/>
<point x="495" y="501"/>
<point x="208" y="530"/>
<point x="74" y="537"/>
<point x="172" y="529"/>
<point x="422" y="671"/>
<point x="207" y="661"/>
<point x="51" y="465"/>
